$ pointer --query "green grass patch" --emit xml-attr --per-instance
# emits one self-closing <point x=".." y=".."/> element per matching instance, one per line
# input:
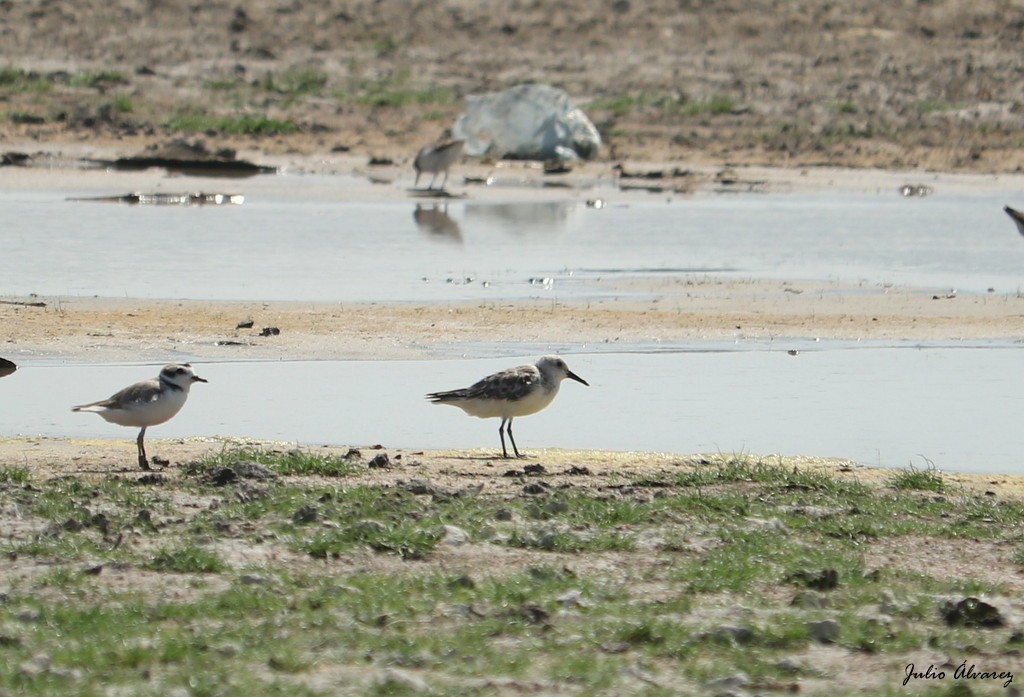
<point x="14" y="475"/>
<point x="186" y="559"/>
<point x="13" y="80"/>
<point x="929" y="106"/>
<point x="293" y="462"/>
<point x="247" y="124"/>
<point x="912" y="478"/>
<point x="295" y="82"/>
<point x="395" y="91"/>
<point x="122" y="104"/>
<point x="666" y="104"/>
<point x="97" y="79"/>
<point x="681" y="576"/>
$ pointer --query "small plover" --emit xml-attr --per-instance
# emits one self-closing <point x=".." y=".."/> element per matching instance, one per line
<point x="147" y="403"/>
<point x="518" y="391"/>
<point x="1017" y="217"/>
<point x="437" y="157"/>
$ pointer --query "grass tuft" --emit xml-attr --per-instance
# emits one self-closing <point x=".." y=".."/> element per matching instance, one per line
<point x="248" y="124"/>
<point x="928" y="479"/>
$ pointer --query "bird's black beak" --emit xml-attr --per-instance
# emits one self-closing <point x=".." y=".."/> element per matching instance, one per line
<point x="577" y="378"/>
<point x="196" y="378"/>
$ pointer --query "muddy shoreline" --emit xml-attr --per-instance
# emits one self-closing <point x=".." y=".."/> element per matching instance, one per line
<point x="678" y="311"/>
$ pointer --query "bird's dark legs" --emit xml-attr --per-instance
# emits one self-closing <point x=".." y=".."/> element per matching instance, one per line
<point x="143" y="460"/>
<point x="506" y="425"/>
<point x="501" y="434"/>
<point x="444" y="182"/>
<point x="509" y="429"/>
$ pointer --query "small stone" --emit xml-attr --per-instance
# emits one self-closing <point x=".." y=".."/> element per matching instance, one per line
<point x="536" y="488"/>
<point x="245" y="324"/>
<point x="790" y="666"/>
<point x="270" y="331"/>
<point x="534" y="469"/>
<point x="369" y="527"/>
<point x="305" y="514"/>
<point x="395" y="681"/>
<point x="380" y="461"/>
<point x="735" y="681"/>
<point x="821" y="580"/>
<point x="556" y="507"/>
<point x="809" y="599"/>
<point x="570" y="598"/>
<point x="737" y="634"/>
<point x="27" y="615"/>
<point x="503" y="514"/>
<point x="454" y="536"/>
<point x="463" y="581"/>
<point x="252" y="580"/>
<point x="824" y="631"/>
<point x="971" y="612"/>
<point x="533" y="613"/>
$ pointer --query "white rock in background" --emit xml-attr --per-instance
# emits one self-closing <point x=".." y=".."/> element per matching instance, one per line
<point x="526" y="122"/>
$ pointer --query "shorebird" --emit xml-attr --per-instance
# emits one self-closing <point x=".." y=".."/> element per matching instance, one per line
<point x="147" y="403"/>
<point x="6" y="367"/>
<point x="437" y="157"/>
<point x="519" y="391"/>
<point x="1017" y="217"/>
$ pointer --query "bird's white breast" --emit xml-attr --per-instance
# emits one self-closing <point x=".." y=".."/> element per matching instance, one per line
<point x="149" y="413"/>
<point x="532" y="402"/>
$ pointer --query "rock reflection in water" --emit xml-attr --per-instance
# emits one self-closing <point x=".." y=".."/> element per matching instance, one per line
<point x="436" y="222"/>
<point x="522" y="217"/>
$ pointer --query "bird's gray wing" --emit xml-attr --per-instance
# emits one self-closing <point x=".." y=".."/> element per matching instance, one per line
<point x="511" y="384"/>
<point x="133" y="395"/>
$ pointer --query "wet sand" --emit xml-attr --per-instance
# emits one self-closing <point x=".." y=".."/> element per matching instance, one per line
<point x="680" y="310"/>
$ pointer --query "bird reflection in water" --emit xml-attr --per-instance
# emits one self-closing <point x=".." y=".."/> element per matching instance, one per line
<point x="435" y="221"/>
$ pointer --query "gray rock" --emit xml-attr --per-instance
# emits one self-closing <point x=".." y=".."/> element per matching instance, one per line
<point x="380" y="461"/>
<point x="454" y="536"/>
<point x="395" y="680"/>
<point x="809" y="599"/>
<point x="824" y="631"/>
<point x="305" y="514"/>
<point x="734" y="633"/>
<point x="971" y="612"/>
<point x="735" y="681"/>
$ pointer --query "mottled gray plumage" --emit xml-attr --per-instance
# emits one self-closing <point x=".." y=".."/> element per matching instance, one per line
<point x="519" y="391"/>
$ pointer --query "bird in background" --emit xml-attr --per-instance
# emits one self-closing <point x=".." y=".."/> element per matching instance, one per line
<point x="1017" y="217"/>
<point x="510" y="393"/>
<point x="147" y="403"/>
<point x="437" y="157"/>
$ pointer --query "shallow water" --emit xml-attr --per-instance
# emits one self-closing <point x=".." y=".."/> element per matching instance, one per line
<point x="956" y="408"/>
<point x="284" y="245"/>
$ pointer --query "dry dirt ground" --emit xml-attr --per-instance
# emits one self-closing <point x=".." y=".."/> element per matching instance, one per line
<point x="931" y="84"/>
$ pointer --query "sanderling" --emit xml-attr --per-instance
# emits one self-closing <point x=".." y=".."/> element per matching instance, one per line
<point x="437" y="157"/>
<point x="1017" y="217"/>
<point x="6" y="367"/>
<point x="518" y="391"/>
<point x="147" y="403"/>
